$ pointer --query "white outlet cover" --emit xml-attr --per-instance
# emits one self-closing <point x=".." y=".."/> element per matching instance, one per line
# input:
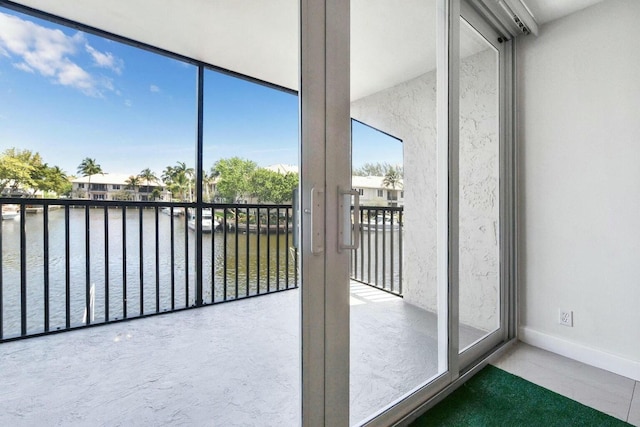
<point x="566" y="318"/>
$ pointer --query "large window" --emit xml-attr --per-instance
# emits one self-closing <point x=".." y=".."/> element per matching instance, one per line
<point x="109" y="131"/>
<point x="138" y="181"/>
<point x="84" y="105"/>
<point x="250" y="141"/>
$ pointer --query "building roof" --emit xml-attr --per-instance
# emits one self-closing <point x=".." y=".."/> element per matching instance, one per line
<point x="371" y="182"/>
<point x="121" y="179"/>
<point x="110" y="178"/>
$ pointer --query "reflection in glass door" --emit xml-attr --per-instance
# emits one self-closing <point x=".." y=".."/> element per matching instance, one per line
<point x="394" y="296"/>
<point x="479" y="189"/>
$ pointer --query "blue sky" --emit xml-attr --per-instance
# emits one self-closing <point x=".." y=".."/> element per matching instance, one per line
<point x="70" y="95"/>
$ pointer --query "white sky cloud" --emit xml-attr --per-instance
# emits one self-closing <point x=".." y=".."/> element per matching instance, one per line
<point x="105" y="59"/>
<point x="128" y="103"/>
<point x="24" y="67"/>
<point x="154" y="88"/>
<point x="49" y="52"/>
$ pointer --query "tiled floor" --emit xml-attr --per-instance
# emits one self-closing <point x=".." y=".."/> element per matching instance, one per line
<point x="607" y="392"/>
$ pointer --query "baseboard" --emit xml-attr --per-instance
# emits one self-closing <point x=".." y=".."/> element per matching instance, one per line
<point x="581" y="353"/>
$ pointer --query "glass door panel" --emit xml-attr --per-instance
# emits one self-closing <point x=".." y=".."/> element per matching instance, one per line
<point x="394" y="296"/>
<point x="479" y="188"/>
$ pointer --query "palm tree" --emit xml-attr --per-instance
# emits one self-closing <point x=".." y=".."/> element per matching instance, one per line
<point x="148" y="176"/>
<point x="180" y="184"/>
<point x="168" y="174"/>
<point x="167" y="178"/>
<point x="132" y="184"/>
<point x="207" y="181"/>
<point x="178" y="179"/>
<point x="187" y="173"/>
<point x="392" y="178"/>
<point x="156" y="193"/>
<point x="182" y="168"/>
<point x="89" y="167"/>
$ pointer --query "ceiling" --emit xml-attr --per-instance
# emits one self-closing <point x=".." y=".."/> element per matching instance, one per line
<point x="253" y="37"/>
<point x="549" y="10"/>
<point x="258" y="38"/>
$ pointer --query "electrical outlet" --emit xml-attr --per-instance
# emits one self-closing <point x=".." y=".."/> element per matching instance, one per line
<point x="566" y="318"/>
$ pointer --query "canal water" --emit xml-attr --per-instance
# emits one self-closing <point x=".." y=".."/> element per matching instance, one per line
<point x="134" y="267"/>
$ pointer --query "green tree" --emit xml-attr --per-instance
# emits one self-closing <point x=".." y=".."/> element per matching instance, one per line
<point x="17" y="169"/>
<point x="184" y="178"/>
<point x="89" y="167"/>
<point x="52" y="179"/>
<point x="180" y="186"/>
<point x="377" y="169"/>
<point x="156" y="193"/>
<point x="234" y="178"/>
<point x="167" y="175"/>
<point x="207" y="181"/>
<point x="148" y="176"/>
<point x="23" y="170"/>
<point x="179" y="180"/>
<point x="132" y="183"/>
<point x="270" y="186"/>
<point x="167" y="178"/>
<point x="392" y="178"/>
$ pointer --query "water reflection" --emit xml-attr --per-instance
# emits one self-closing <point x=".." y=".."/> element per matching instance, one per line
<point x="152" y="268"/>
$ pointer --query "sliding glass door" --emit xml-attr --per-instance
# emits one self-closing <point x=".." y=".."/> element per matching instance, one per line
<point x="428" y="166"/>
<point x="395" y="315"/>
<point x="483" y="229"/>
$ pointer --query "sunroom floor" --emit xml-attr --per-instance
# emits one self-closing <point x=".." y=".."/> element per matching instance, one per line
<point x="229" y="364"/>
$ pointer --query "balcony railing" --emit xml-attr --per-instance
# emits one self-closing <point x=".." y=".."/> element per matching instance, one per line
<point x="378" y="259"/>
<point x="70" y="264"/>
<point x="98" y="187"/>
<point x="82" y="262"/>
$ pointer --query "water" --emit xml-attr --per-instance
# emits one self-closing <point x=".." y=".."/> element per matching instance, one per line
<point x="152" y="268"/>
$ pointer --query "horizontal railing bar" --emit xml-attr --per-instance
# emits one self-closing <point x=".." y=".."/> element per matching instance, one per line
<point x="128" y="203"/>
<point x="381" y="208"/>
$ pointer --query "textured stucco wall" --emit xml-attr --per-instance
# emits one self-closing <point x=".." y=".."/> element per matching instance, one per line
<point x="479" y="191"/>
<point x="408" y="111"/>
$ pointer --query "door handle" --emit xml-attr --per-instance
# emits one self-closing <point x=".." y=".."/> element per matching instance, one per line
<point x="295" y="200"/>
<point x="346" y="239"/>
<point x="316" y="212"/>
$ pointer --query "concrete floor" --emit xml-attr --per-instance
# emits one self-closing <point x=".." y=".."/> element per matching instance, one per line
<point x="230" y="364"/>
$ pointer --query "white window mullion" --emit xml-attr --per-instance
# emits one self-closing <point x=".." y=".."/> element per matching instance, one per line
<point x="448" y="56"/>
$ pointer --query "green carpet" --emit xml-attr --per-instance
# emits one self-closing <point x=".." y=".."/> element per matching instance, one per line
<point x="494" y="397"/>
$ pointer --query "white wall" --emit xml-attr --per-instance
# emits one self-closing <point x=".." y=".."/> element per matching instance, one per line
<point x="579" y="119"/>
